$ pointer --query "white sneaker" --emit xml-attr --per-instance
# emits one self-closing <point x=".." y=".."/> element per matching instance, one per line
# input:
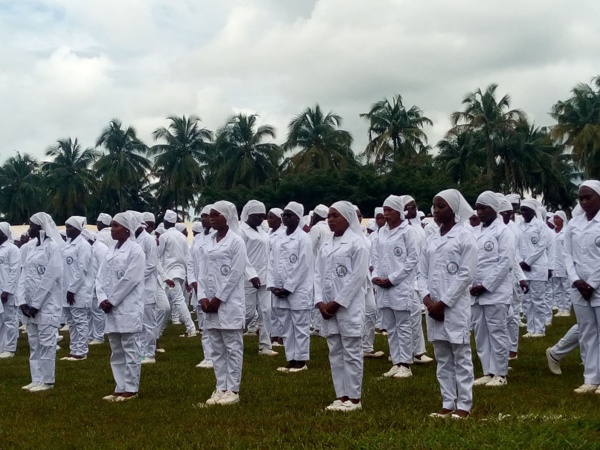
<point x="586" y="389"/>
<point x="95" y="342"/>
<point x="423" y="360"/>
<point x="22" y="328"/>
<point x="29" y="386"/>
<point x="70" y="358"/>
<point x="176" y="322"/>
<point x="189" y="334"/>
<point x="276" y="344"/>
<point x="403" y="372"/>
<point x="528" y="335"/>
<point x="334" y="406"/>
<point x="58" y="347"/>
<point x="41" y="387"/>
<point x="110" y="398"/>
<point x="553" y="364"/>
<point x="482" y="380"/>
<point x="522" y="325"/>
<point x="160" y="350"/>
<point x="148" y="360"/>
<point x="65" y="328"/>
<point x="205" y="364"/>
<point x="267" y="352"/>
<point x="250" y="333"/>
<point x="298" y="369"/>
<point x="497" y="381"/>
<point x="229" y="398"/>
<point x="373" y="354"/>
<point x="59" y="337"/>
<point x="215" y="398"/>
<point x="549" y="323"/>
<point x="7" y="355"/>
<point x="390" y="373"/>
<point x="538" y="335"/>
<point x="348" y="406"/>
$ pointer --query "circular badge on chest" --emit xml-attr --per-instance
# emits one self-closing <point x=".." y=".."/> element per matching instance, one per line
<point x="488" y="246"/>
<point x="2" y="260"/>
<point x="41" y="270"/>
<point x="225" y="270"/>
<point x="120" y="274"/>
<point x="293" y="258"/>
<point x="452" y="268"/>
<point x="535" y="240"/>
<point x="597" y="241"/>
<point x="341" y="271"/>
<point x="69" y="260"/>
<point x="398" y="251"/>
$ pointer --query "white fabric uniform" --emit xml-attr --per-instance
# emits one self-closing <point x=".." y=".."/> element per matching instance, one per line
<point x="150" y="324"/>
<point x="533" y="244"/>
<point x="489" y="310"/>
<point x="514" y="312"/>
<point x="566" y="344"/>
<point x="77" y="259"/>
<point x="319" y="233"/>
<point x="446" y="270"/>
<point x="416" y="315"/>
<point x="341" y="269"/>
<point x="10" y="269"/>
<point x="276" y="325"/>
<point x="257" y="300"/>
<point x="120" y="280"/>
<point x="97" y="316"/>
<point x="222" y="276"/>
<point x="173" y="253"/>
<point x="105" y="237"/>
<point x="582" y="248"/>
<point x="40" y="286"/>
<point x="560" y="281"/>
<point x="291" y="267"/>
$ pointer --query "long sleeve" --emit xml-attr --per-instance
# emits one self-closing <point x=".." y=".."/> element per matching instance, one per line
<point x="305" y="263"/>
<point x="423" y="273"/>
<point x="84" y="262"/>
<point x="239" y="258"/>
<point x="412" y="258"/>
<point x="53" y="273"/>
<point x="541" y="248"/>
<point x="506" y="257"/>
<point x="467" y="266"/>
<point x="375" y="257"/>
<point x="134" y="275"/>
<point x="356" y="277"/>
<point x="569" y="263"/>
<point x="14" y="269"/>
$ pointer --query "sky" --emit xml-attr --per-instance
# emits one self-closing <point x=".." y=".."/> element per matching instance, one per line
<point x="70" y="66"/>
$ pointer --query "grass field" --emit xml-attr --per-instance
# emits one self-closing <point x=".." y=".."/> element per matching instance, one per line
<point x="535" y="410"/>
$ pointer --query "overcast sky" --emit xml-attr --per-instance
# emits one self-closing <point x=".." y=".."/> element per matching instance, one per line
<point x="69" y="66"/>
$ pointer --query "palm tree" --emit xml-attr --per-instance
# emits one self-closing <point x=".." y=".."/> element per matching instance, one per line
<point x="460" y="155"/>
<point x="70" y="181"/>
<point x="483" y="113"/>
<point x="579" y="125"/>
<point x="177" y="163"/>
<point x="21" y="194"/>
<point x="123" y="168"/>
<point x="394" y="132"/>
<point x="246" y="159"/>
<point x="322" y="144"/>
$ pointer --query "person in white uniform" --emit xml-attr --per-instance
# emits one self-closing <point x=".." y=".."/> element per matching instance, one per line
<point x="78" y="287"/>
<point x="319" y="232"/>
<point x="560" y="282"/>
<point x="395" y="257"/>
<point x="40" y="295"/>
<point x="446" y="270"/>
<point x="582" y="249"/>
<point x="119" y="289"/>
<point x="341" y="269"/>
<point x="10" y="269"/>
<point x="290" y="277"/>
<point x="492" y="291"/>
<point x="222" y="297"/>
<point x="97" y="316"/>
<point x="258" y="299"/>
<point x="565" y="345"/>
<point x="173" y="251"/>
<point x="534" y="241"/>
<point x="103" y="225"/>
<point x="275" y="230"/>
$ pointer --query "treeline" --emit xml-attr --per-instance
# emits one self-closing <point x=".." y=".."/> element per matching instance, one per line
<point x="489" y="146"/>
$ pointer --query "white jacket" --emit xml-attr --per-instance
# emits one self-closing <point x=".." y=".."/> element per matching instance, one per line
<point x="148" y="244"/>
<point x="446" y="271"/>
<point x="222" y="276"/>
<point x="533" y="248"/>
<point x="10" y="269"/>
<point x="105" y="237"/>
<point x="341" y="268"/>
<point x="257" y="248"/>
<point x="77" y="259"/>
<point x="120" y="280"/>
<point x="560" y="268"/>
<point x="173" y="252"/>
<point x="319" y="234"/>
<point x="99" y="250"/>
<point x="291" y="267"/>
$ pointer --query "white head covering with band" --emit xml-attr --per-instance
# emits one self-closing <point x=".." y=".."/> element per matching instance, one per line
<point x="504" y="204"/>
<point x="276" y="212"/>
<point x="5" y="228"/>
<point x="514" y="198"/>
<point x="170" y="216"/>
<point x="149" y="217"/>
<point x="296" y="208"/>
<point x="228" y="210"/>
<point x="105" y="219"/>
<point x="88" y="235"/>
<point x="348" y="212"/>
<point x="197" y="227"/>
<point x="562" y="215"/>
<point x="395" y="202"/>
<point x="592" y="184"/>
<point x="77" y="222"/>
<point x="160" y="229"/>
<point x="129" y="221"/>
<point x="458" y="204"/>
<point x="48" y="228"/>
<point x="252" y="207"/>
<point x="489" y="198"/>
<point x="180" y="226"/>
<point x="206" y="210"/>
<point x="378" y="210"/>
<point x="139" y="218"/>
<point x="321" y="211"/>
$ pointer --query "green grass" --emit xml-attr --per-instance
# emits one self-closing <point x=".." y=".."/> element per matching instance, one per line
<point x="535" y="410"/>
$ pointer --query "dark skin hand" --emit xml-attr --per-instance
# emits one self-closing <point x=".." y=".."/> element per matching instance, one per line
<point x="255" y="282"/>
<point x="526" y="267"/>
<point x="70" y="298"/>
<point x="106" y="306"/>
<point x="333" y="307"/>
<point x="584" y="289"/>
<point x="477" y="290"/>
<point x="524" y="286"/>
<point x="323" y="310"/>
<point x="4" y="297"/>
<point x="434" y="309"/>
<point x="210" y="306"/>
<point x="280" y="292"/>
<point x="382" y="282"/>
<point x="25" y="310"/>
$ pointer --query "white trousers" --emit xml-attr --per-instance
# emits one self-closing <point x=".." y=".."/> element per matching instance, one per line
<point x="588" y="319"/>
<point x="179" y="307"/>
<point x="126" y="360"/>
<point x="399" y="327"/>
<point x="201" y="317"/>
<point x="562" y="293"/>
<point x="513" y="320"/>
<point x="416" y="318"/>
<point x="346" y="360"/>
<point x="149" y="331"/>
<point x="79" y="321"/>
<point x="42" y="352"/>
<point x="491" y="337"/>
<point x="548" y="300"/>
<point x="227" y="357"/>
<point x="97" y="321"/>
<point x="163" y="309"/>
<point x="455" y="374"/>
<point x="276" y="324"/>
<point x="536" y="307"/>
<point x="259" y="301"/>
<point x="9" y="329"/>
<point x="566" y="344"/>
<point x="296" y="333"/>
<point x="368" y="334"/>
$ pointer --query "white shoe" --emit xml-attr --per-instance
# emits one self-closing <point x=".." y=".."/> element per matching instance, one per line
<point x="522" y="325"/>
<point x="228" y="398"/>
<point x="390" y="373"/>
<point x="553" y="364"/>
<point x="373" y="355"/>
<point x="586" y="389"/>
<point x="205" y="364"/>
<point x="110" y="398"/>
<point x="29" y="386"/>
<point x="423" y="360"/>
<point x="176" y="322"/>
<point x="148" y="360"/>
<point x="65" y="328"/>
<point x="538" y="335"/>
<point x="58" y="347"/>
<point x="298" y="369"/>
<point x="189" y="334"/>
<point x="528" y="335"/>
<point x="497" y="381"/>
<point x="41" y="387"/>
<point x="549" y="323"/>
<point x="348" y="406"/>
<point x="121" y="398"/>
<point x="7" y="355"/>
<point x="59" y="337"/>
<point x="267" y="352"/>
<point x="250" y="333"/>
<point x="555" y="308"/>
<point x="215" y="397"/>
<point x="283" y="369"/>
<point x="403" y="372"/>
<point x="95" y="342"/>
<point x="482" y="380"/>
<point x="276" y="344"/>
<point x="334" y="406"/>
<point x="22" y="328"/>
<point x="70" y="358"/>
<point x="160" y="350"/>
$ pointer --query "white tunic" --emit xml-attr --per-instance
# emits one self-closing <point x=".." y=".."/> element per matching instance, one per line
<point x="446" y="271"/>
<point x="77" y="259"/>
<point x="560" y="269"/>
<point x="105" y="237"/>
<point x="257" y="248"/>
<point x="148" y="244"/>
<point x="196" y="256"/>
<point x="319" y="234"/>
<point x="341" y="268"/>
<point x="99" y="251"/>
<point x="533" y="245"/>
<point x="222" y="276"/>
<point x="173" y="252"/>
<point x="10" y="269"/>
<point x="120" y="280"/>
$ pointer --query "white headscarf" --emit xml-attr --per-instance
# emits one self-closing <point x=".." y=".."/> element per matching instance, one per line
<point x="170" y="216"/>
<point x="180" y="226"/>
<point x="577" y="211"/>
<point x="149" y="217"/>
<point x="77" y="222"/>
<point x="5" y="228"/>
<point x="139" y="218"/>
<point x="348" y="212"/>
<point x="372" y="225"/>
<point x="378" y="210"/>
<point x="206" y="210"/>
<point x="489" y="198"/>
<point x="105" y="219"/>
<point x="458" y="204"/>
<point x="592" y="184"/>
<point x="160" y="229"/>
<point x="420" y="214"/>
<point x="197" y="227"/>
<point x="395" y="202"/>
<point x="504" y="204"/>
<point x="296" y="208"/>
<point x="88" y="235"/>
<point x="228" y="210"/>
<point x="514" y="198"/>
<point x="276" y="211"/>
<point x="252" y="207"/>
<point x="530" y="203"/>
<point x="48" y="228"/>
<point x="321" y="211"/>
<point x="129" y="221"/>
<point x="562" y="215"/>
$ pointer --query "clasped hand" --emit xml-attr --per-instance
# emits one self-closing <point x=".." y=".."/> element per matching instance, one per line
<point x="210" y="306"/>
<point x="434" y="309"/>
<point x="328" y="310"/>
